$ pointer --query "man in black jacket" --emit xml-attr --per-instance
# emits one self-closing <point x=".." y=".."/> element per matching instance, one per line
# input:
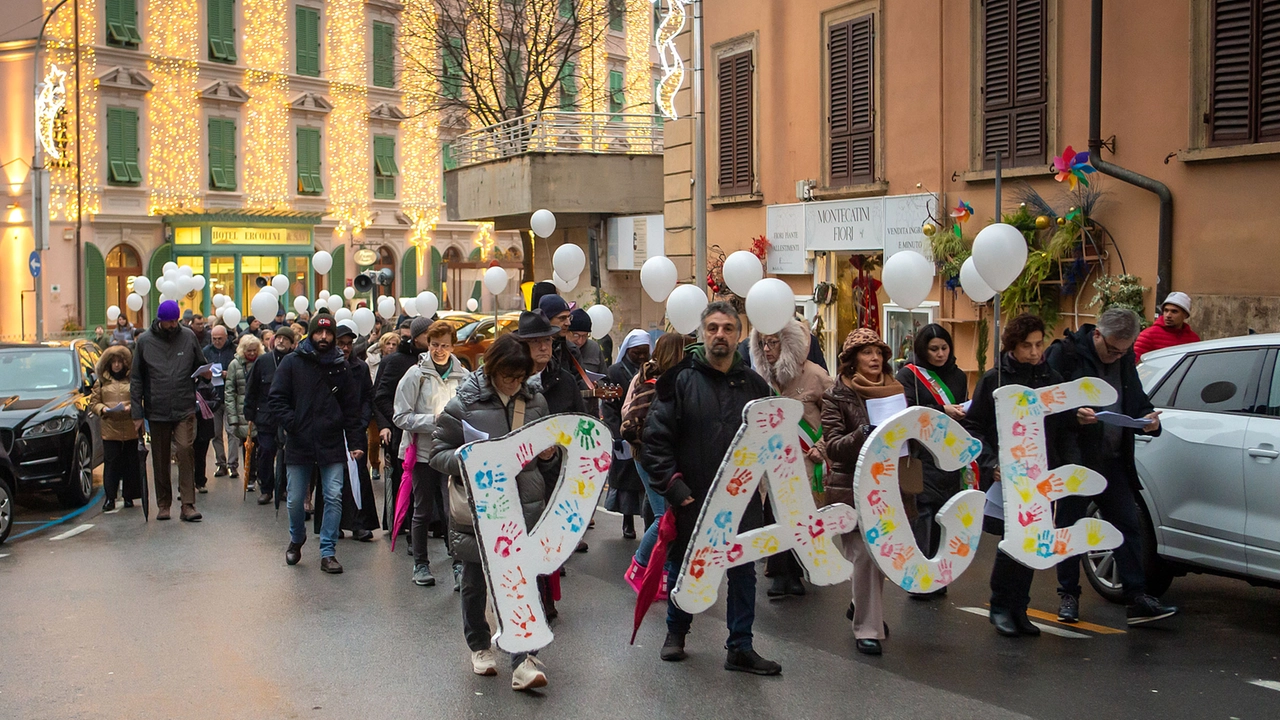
<point x="315" y="401"/>
<point x="257" y="385"/>
<point x="221" y="351"/>
<point x="390" y="371"/>
<point x="1106" y="352"/>
<point x="691" y="425"/>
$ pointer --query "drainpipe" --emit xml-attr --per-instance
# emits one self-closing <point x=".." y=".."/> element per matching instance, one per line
<point x="1164" y="248"/>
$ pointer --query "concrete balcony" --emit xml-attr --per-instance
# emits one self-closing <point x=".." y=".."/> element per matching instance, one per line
<point x="571" y="163"/>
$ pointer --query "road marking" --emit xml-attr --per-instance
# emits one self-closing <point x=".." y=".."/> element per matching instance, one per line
<point x="1268" y="684"/>
<point x="1100" y="629"/>
<point x="71" y="515"/>
<point x="1046" y="628"/>
<point x="4" y="555"/>
<point x="72" y="532"/>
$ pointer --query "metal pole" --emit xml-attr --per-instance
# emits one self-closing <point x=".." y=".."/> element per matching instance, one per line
<point x="80" y="315"/>
<point x="39" y="192"/>
<point x="699" y="155"/>
<point x="998" y="294"/>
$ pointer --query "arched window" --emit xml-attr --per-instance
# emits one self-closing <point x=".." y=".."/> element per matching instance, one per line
<point x="513" y="254"/>
<point x="123" y="264"/>
<point x="453" y="255"/>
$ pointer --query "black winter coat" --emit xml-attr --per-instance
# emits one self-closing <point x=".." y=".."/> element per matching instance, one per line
<point x="622" y="474"/>
<point x="692" y="423"/>
<point x="315" y="400"/>
<point x="390" y="371"/>
<point x="939" y="485"/>
<point x="223" y="357"/>
<point x="980" y="421"/>
<point x="257" y="385"/>
<point x="1075" y="357"/>
<point x="160" y="383"/>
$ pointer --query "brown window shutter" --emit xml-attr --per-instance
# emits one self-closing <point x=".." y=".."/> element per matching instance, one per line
<point x="735" y="171"/>
<point x="1015" y="82"/>
<point x="851" y="126"/>
<point x="1269" y="71"/>
<point x="1232" y="59"/>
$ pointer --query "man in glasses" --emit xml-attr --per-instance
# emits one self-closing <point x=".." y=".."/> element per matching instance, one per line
<point x="1105" y="351"/>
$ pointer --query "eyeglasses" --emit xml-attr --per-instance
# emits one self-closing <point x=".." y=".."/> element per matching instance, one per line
<point x="1112" y="350"/>
<point x="771" y="343"/>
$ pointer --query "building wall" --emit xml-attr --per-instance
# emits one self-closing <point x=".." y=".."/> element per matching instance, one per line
<point x="927" y="104"/>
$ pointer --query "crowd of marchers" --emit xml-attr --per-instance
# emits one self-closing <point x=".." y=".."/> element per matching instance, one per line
<point x="311" y="412"/>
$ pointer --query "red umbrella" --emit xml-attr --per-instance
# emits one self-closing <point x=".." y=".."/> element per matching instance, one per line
<point x="654" y="570"/>
<point x="404" y="498"/>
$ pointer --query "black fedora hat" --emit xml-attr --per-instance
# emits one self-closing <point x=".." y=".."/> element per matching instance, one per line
<point x="533" y="326"/>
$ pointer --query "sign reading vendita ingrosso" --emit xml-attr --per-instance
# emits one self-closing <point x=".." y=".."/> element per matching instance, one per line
<point x="885" y="224"/>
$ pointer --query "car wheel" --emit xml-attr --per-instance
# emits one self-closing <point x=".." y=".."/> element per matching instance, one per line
<point x="1159" y="573"/>
<point x="79" y="486"/>
<point x="6" y="509"/>
<point x="1104" y="575"/>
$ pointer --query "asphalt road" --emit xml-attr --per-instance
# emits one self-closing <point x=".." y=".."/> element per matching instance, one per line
<point x="126" y="619"/>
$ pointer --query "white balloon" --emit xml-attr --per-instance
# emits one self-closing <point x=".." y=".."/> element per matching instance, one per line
<point x="999" y="254"/>
<point x="495" y="279"/>
<point x="658" y="277"/>
<point x="161" y="285"/>
<point x="342" y="314"/>
<point x="231" y="316"/>
<point x="563" y="285"/>
<point x="387" y="307"/>
<point x="569" y="260"/>
<point x="280" y="283"/>
<point x="407" y="304"/>
<point x="771" y="304"/>
<point x="427" y="303"/>
<point x="974" y="286"/>
<point x="270" y="290"/>
<point x="186" y="271"/>
<point x="348" y="293"/>
<point x="169" y="267"/>
<point x="684" y="308"/>
<point x="171" y="275"/>
<point x="601" y="320"/>
<point x="365" y="320"/>
<point x="908" y="278"/>
<point x="264" y="305"/>
<point x="334" y="302"/>
<point x="543" y="223"/>
<point x="217" y="300"/>
<point x="186" y="284"/>
<point x="300" y="304"/>
<point x="134" y="302"/>
<point x="742" y="269"/>
<point x="217" y="312"/>
<point x="472" y="304"/>
<point x="113" y="312"/>
<point x="324" y="295"/>
<point x="141" y="285"/>
<point x="200" y="282"/>
<point x="322" y="261"/>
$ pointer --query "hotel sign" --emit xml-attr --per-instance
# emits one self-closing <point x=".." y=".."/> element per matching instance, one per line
<point x="261" y="236"/>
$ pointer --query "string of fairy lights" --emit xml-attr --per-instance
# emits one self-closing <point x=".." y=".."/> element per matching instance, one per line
<point x="62" y="180"/>
<point x="267" y="140"/>
<point x="175" y="170"/>
<point x="347" y="69"/>
<point x="420" y="137"/>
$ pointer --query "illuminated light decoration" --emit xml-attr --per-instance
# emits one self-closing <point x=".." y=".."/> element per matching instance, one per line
<point x="267" y="139"/>
<point x="60" y="43"/>
<point x="51" y="101"/>
<point x="421" y="170"/>
<point x="638" y="71"/>
<point x="176" y="168"/>
<point x="351" y="158"/>
<point x="672" y="66"/>
<point x="484" y="240"/>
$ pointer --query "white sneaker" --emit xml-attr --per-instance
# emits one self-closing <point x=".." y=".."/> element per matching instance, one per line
<point x="528" y="675"/>
<point x="483" y="662"/>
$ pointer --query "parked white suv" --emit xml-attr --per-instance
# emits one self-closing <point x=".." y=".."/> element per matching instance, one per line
<point x="1211" y="482"/>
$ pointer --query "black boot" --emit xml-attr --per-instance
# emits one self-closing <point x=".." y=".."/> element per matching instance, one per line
<point x="628" y="527"/>
<point x="1024" y="624"/>
<point x="778" y="587"/>
<point x="673" y="648"/>
<point x="751" y="662"/>
<point x="293" y="554"/>
<point x="1004" y="622"/>
<point x="109" y="505"/>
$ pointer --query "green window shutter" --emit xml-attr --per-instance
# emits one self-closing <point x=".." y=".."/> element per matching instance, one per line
<point x="129" y="145"/>
<point x="229" y="29"/>
<point x="307" y="41"/>
<point x="568" y="87"/>
<point x="617" y="11"/>
<point x="514" y="78"/>
<point x="436" y="261"/>
<point x="222" y="37"/>
<point x="309" y="182"/>
<point x="615" y="93"/>
<point x="130" y="19"/>
<point x="384" y="167"/>
<point x="452" y="85"/>
<point x="122" y="23"/>
<point x="409" y="273"/>
<point x="117" y="173"/>
<point x="338" y="273"/>
<point x="384" y="54"/>
<point x="229" y="152"/>
<point x="222" y="154"/>
<point x="446" y="156"/>
<point x="95" y="287"/>
<point x="162" y="255"/>
<point x="566" y="8"/>
<point x="657" y="111"/>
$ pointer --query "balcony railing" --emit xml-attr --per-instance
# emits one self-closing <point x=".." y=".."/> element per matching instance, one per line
<point x="561" y="132"/>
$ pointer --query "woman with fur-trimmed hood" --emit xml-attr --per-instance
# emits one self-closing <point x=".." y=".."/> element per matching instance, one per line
<point x="111" y="401"/>
<point x="781" y="360"/>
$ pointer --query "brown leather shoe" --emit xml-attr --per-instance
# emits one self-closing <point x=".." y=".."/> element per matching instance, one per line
<point x="162" y="513"/>
<point x="265" y="498"/>
<point x="190" y="514"/>
<point x="331" y="565"/>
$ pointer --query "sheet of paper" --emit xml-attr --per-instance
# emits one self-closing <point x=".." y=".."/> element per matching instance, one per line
<point x="1124" y="421"/>
<point x="594" y="377"/>
<point x="879" y="410"/>
<point x="118" y="407"/>
<point x="203" y="369"/>
<point x="218" y="377"/>
<point x="965" y="405"/>
<point x="471" y="434"/>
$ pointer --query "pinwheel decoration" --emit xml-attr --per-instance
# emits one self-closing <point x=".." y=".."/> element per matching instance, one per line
<point x="1073" y="167"/>
<point x="962" y="212"/>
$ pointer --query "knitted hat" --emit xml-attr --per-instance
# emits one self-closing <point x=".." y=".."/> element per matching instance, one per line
<point x="1178" y="299"/>
<point x="552" y="305"/>
<point x="168" y="311"/>
<point x="418" y="326"/>
<point x="322" y="321"/>
<point x="579" y="321"/>
<point x="286" y="332"/>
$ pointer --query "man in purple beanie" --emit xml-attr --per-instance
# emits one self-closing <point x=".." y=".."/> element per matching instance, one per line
<point x="164" y="394"/>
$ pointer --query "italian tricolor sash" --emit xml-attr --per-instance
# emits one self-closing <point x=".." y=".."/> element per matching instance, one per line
<point x="942" y="395"/>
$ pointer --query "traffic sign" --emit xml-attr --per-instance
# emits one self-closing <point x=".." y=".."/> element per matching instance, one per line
<point x="33" y="263"/>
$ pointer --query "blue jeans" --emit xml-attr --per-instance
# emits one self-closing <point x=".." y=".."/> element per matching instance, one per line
<point x="659" y="506"/>
<point x="330" y="489"/>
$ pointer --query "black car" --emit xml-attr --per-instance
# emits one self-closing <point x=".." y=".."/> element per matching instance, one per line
<point x="46" y="429"/>
<point x="7" y="473"/>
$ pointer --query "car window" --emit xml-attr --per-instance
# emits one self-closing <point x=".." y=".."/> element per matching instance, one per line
<point x="466" y="331"/>
<point x="484" y="332"/>
<point x="36" y="370"/>
<point x="1219" y="382"/>
<point x="1163" y="396"/>
<point x="1273" y="402"/>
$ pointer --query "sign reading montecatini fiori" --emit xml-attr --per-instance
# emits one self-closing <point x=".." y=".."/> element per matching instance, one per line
<point x="868" y="225"/>
<point x="848" y="225"/>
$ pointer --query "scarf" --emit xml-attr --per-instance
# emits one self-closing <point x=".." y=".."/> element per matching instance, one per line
<point x="867" y="390"/>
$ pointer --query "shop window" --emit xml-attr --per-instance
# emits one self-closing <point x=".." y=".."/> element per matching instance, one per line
<point x="1244" y="72"/>
<point x="309" y="182"/>
<point x="385" y="169"/>
<point x="222" y="31"/>
<point x="384" y="38"/>
<point x="735" y="169"/>
<point x="122" y="23"/>
<point x="1014" y="79"/>
<point x="851" y="102"/>
<point x="122" y="147"/>
<point x="222" y="154"/>
<point x="307" y="41"/>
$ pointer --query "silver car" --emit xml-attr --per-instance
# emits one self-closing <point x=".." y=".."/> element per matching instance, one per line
<point x="1211" y="482"/>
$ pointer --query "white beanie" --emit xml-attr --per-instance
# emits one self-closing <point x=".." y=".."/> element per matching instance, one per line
<point x="1179" y="299"/>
